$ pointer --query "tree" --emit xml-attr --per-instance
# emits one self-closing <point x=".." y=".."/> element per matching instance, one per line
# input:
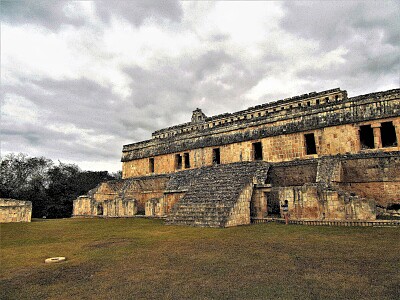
<point x="25" y="178"/>
<point x="51" y="188"/>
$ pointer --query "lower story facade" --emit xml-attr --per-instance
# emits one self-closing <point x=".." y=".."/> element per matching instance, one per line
<point x="360" y="186"/>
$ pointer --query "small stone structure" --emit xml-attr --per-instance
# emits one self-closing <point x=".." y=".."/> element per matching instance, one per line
<point x="12" y="210"/>
<point x="332" y="157"/>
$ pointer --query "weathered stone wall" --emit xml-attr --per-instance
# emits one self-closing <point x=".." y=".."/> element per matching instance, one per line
<point x="293" y="173"/>
<point x="170" y="199"/>
<point x="373" y="177"/>
<point x="12" y="210"/>
<point x="119" y="208"/>
<point x="340" y="139"/>
<point x="83" y="206"/>
<point x="155" y="207"/>
<point x="240" y="213"/>
<point x="258" y="204"/>
<point x="312" y="201"/>
<point x="340" y="179"/>
<point x="124" y="197"/>
<point x="335" y="126"/>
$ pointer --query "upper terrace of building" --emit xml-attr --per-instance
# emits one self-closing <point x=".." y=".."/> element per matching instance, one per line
<point x="200" y="121"/>
<point x="314" y="102"/>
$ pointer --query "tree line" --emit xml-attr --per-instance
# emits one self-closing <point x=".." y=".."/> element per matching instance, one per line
<point x="51" y="187"/>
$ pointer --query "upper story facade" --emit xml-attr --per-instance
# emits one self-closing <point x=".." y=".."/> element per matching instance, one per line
<point x="301" y="127"/>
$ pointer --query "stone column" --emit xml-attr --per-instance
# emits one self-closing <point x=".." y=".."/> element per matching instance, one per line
<point x="396" y="124"/>
<point x="376" y="127"/>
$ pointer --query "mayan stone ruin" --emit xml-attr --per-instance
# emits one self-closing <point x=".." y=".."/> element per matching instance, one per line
<point x="12" y="210"/>
<point x="332" y="157"/>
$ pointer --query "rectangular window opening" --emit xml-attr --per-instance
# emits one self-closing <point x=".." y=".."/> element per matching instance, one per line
<point x="151" y="165"/>
<point x="178" y="161"/>
<point x="216" y="156"/>
<point x="388" y="135"/>
<point x="310" y="144"/>
<point x="366" y="137"/>
<point x="257" y="151"/>
<point x="187" y="160"/>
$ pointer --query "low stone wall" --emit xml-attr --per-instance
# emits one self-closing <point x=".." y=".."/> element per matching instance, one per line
<point x="12" y="210"/>
<point x="155" y="207"/>
<point x="120" y="208"/>
<point x="121" y="198"/>
<point x="373" y="177"/>
<point x="313" y="201"/>
<point x="347" y="223"/>
<point x="83" y="206"/>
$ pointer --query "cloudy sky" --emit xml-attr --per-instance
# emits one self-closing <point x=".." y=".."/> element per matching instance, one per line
<point x="80" y="79"/>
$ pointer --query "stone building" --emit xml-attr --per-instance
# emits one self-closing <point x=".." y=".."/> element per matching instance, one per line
<point x="15" y="210"/>
<point x="333" y="157"/>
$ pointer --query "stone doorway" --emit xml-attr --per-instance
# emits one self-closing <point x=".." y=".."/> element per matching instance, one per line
<point x="273" y="208"/>
<point x="100" y="209"/>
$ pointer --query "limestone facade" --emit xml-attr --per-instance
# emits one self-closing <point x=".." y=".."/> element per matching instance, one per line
<point x="12" y="210"/>
<point x="332" y="157"/>
<point x="296" y="128"/>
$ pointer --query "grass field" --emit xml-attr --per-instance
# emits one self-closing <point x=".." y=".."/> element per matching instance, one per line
<point x="143" y="259"/>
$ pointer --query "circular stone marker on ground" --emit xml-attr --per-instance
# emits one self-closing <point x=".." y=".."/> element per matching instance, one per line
<point x="54" y="259"/>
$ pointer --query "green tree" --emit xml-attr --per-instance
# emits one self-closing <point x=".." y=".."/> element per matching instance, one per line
<point x="51" y="188"/>
<point x="25" y="178"/>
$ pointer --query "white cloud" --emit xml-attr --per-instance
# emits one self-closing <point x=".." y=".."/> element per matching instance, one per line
<point x="15" y="107"/>
<point x="81" y="78"/>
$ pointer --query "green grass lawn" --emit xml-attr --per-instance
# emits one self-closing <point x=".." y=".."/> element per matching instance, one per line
<point x="143" y="259"/>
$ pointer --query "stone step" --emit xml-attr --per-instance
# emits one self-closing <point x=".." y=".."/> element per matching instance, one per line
<point x="212" y="192"/>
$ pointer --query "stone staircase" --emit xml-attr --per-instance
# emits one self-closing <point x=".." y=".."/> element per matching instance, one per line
<point x="213" y="193"/>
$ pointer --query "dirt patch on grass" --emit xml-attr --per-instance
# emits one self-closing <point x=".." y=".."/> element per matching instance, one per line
<point x="60" y="274"/>
<point x="57" y="273"/>
<point x="108" y="243"/>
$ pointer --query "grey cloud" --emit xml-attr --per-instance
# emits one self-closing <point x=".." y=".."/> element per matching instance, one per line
<point x="334" y="22"/>
<point x="82" y="103"/>
<point x="171" y="91"/>
<point x="137" y="11"/>
<point x="42" y="12"/>
<point x="39" y="139"/>
<point x="368" y="30"/>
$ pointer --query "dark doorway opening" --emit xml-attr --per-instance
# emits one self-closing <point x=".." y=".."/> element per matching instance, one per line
<point x="388" y="135"/>
<point x="366" y="137"/>
<point x="178" y="161"/>
<point x="187" y="160"/>
<point x="151" y="165"/>
<point x="272" y="199"/>
<point x="216" y="156"/>
<point x="257" y="151"/>
<point x="310" y="144"/>
<point x="100" y="209"/>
